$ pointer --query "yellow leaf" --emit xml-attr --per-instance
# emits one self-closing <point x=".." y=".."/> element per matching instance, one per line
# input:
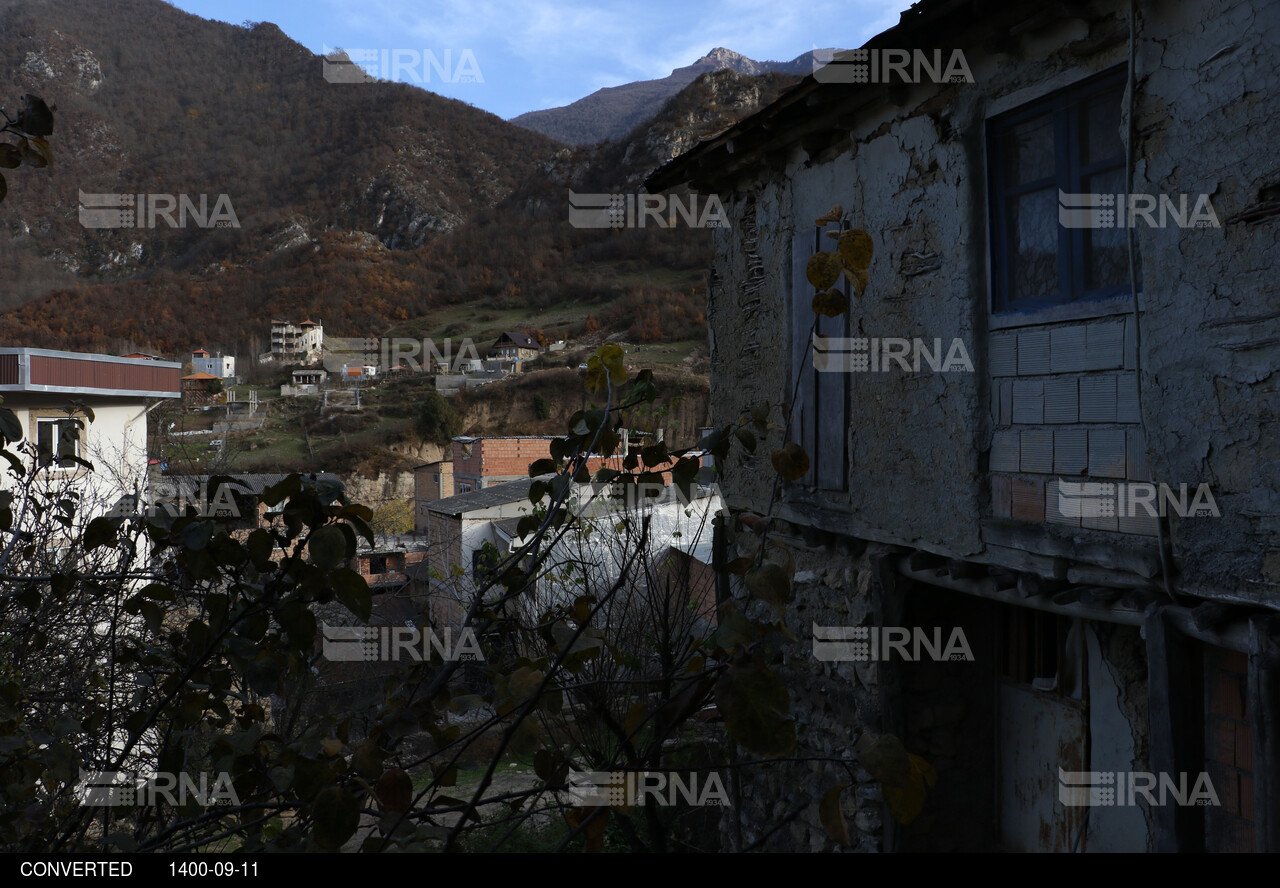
<point x="830" y="303"/>
<point x="823" y="269"/>
<point x="856" y="247"/>
<point x="611" y="357"/>
<point x="597" y="375"/>
<point x="857" y="277"/>
<point x="832" y="215"/>
<point x="791" y="462"/>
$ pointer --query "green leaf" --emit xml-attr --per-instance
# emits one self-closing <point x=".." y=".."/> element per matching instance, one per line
<point x="100" y="532"/>
<point x="336" y="813"/>
<point x="367" y="760"/>
<point x="35" y="118"/>
<point x="328" y="546"/>
<point x="514" y="689"/>
<point x="756" y="709"/>
<point x="31" y="155"/>
<point x="353" y="591"/>
<point x="45" y="150"/>
<point x="655" y="454"/>
<point x="543" y="467"/>
<point x="832" y="816"/>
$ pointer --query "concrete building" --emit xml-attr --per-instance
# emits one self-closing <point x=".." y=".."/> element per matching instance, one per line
<point x="477" y="463"/>
<point x="1005" y="494"/>
<point x="219" y="365"/>
<point x="295" y="343"/>
<point x="49" y="390"/>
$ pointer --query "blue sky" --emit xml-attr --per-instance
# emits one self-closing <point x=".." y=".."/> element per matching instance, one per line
<point x="545" y="53"/>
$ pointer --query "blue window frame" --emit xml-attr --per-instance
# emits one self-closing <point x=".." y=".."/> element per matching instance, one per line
<point x="1068" y="142"/>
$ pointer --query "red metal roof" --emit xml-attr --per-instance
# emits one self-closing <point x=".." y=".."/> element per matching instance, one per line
<point x="45" y="370"/>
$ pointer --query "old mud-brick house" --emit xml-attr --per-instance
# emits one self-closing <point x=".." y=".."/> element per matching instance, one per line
<point x="1008" y="498"/>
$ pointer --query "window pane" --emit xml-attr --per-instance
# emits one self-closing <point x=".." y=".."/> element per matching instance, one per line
<point x="1106" y="255"/>
<point x="1100" y="123"/>
<point x="1028" y="151"/>
<point x="68" y="442"/>
<point x="1033" y="229"/>
<point x="44" y="442"/>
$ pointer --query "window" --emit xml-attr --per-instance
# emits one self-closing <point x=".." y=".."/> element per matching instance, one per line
<point x="819" y="421"/>
<point x="57" y="439"/>
<point x="1066" y="143"/>
<point x="377" y="564"/>
<point x="1039" y="651"/>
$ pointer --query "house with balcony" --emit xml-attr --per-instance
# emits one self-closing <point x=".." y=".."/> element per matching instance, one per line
<point x="515" y="347"/>
<point x="295" y="343"/>
<point x="1045" y="418"/>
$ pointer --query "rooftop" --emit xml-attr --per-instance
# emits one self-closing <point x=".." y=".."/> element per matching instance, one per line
<point x="60" y="372"/>
<point x="496" y="495"/>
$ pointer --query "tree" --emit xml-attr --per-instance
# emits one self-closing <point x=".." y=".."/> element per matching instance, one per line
<point x="33" y="123"/>
<point x="184" y="646"/>
<point x="437" y="421"/>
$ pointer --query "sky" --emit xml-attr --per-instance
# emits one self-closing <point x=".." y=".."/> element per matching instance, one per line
<point x="508" y="57"/>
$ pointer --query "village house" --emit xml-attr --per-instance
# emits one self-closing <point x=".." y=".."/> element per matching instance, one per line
<point x="469" y="534"/>
<point x="219" y="365"/>
<point x="1000" y="486"/>
<point x="295" y="343"/>
<point x="516" y="346"/>
<point x="306" y="381"/>
<point x="49" y="392"/>
<point x="200" y="389"/>
<point x="477" y="463"/>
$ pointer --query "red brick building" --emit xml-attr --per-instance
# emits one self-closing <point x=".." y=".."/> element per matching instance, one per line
<point x="478" y="463"/>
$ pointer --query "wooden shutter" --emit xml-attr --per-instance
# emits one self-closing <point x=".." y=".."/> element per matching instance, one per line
<point x="820" y="420"/>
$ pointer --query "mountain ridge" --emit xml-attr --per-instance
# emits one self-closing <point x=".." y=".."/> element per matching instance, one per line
<point x="613" y="111"/>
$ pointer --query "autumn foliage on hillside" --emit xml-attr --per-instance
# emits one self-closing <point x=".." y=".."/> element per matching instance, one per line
<point x="365" y="206"/>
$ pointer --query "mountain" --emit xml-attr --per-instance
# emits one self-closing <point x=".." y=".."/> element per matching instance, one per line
<point x="153" y="99"/>
<point x="614" y="111"/>
<point x="377" y="208"/>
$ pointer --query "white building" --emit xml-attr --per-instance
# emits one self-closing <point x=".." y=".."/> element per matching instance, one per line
<point x="219" y="365"/>
<point x="54" y="393"/>
<point x="296" y="343"/>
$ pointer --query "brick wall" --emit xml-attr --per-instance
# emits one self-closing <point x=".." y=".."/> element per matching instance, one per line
<point x="1064" y="404"/>
<point x="488" y="461"/>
